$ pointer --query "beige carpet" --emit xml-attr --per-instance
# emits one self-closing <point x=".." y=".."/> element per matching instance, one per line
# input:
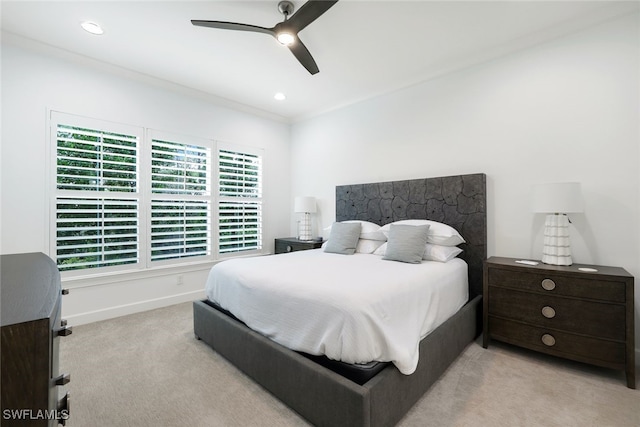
<point x="147" y="369"/>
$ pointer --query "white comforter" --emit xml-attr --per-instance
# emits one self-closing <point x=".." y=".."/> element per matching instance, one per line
<point x="354" y="308"/>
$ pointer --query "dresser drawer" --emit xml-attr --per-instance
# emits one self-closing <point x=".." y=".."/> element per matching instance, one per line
<point x="555" y="284"/>
<point x="585" y="317"/>
<point x="596" y="351"/>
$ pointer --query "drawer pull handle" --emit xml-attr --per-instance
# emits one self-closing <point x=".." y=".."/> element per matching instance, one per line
<point x="548" y="340"/>
<point x="548" y="312"/>
<point x="65" y="332"/>
<point x="548" y="285"/>
<point x="63" y="379"/>
<point x="64" y="406"/>
<point x="289" y="248"/>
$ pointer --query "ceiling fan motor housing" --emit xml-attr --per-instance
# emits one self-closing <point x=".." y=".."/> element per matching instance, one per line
<point x="286" y="8"/>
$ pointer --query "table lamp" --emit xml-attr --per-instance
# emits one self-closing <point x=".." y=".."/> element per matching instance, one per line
<point x="305" y="205"/>
<point x="557" y="200"/>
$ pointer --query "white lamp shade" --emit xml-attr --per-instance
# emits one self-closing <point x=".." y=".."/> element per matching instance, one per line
<point x="305" y="204"/>
<point x="561" y="197"/>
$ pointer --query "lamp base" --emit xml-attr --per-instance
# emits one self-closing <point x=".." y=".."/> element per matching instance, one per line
<point x="557" y="246"/>
<point x="304" y="230"/>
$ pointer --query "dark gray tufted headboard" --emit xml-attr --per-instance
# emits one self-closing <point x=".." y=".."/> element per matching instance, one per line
<point x="459" y="201"/>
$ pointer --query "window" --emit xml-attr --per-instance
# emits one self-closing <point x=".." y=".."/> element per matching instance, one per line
<point x="240" y="201"/>
<point x="181" y="200"/>
<point x="126" y="201"/>
<point x="97" y="197"/>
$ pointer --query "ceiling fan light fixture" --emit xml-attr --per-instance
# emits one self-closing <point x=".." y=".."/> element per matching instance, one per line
<point x="92" y="27"/>
<point x="285" y="39"/>
<point x="286" y="32"/>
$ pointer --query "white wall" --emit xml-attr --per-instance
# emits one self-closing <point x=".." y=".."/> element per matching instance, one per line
<point x="566" y="110"/>
<point x="32" y="83"/>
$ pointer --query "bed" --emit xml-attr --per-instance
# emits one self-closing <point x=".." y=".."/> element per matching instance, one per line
<point x="316" y="390"/>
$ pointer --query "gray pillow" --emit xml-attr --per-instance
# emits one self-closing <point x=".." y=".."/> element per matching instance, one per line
<point x="406" y="243"/>
<point x="343" y="238"/>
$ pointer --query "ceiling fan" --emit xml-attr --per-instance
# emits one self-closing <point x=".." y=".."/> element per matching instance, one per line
<point x="286" y="32"/>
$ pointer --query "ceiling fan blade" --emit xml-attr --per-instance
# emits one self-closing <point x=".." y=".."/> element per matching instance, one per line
<point x="308" y="12"/>
<point x="233" y="26"/>
<point x="303" y="55"/>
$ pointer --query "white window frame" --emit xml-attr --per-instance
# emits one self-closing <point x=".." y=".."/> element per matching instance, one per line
<point x="250" y="151"/>
<point x="144" y="195"/>
<point x="150" y="196"/>
<point x="58" y="118"/>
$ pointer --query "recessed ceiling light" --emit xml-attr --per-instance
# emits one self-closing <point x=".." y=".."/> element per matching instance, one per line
<point x="279" y="96"/>
<point x="92" y="27"/>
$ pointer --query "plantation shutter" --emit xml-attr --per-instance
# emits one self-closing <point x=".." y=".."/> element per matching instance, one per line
<point x="124" y="197"/>
<point x="97" y="197"/>
<point x="181" y="200"/>
<point x="240" y="201"/>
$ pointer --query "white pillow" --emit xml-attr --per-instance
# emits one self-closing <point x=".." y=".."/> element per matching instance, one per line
<point x="368" y="231"/>
<point x="381" y="250"/>
<point x="431" y="253"/>
<point x="368" y="246"/>
<point x="440" y="253"/>
<point x="439" y="233"/>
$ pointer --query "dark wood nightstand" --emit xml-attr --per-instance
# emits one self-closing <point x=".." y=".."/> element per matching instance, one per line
<point x="580" y="312"/>
<point x="291" y="244"/>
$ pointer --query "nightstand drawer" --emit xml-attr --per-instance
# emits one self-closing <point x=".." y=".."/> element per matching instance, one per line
<point x="580" y="312"/>
<point x="291" y="244"/>
<point x="559" y="285"/>
<point x="592" y="318"/>
<point x="284" y="247"/>
<point x="576" y="347"/>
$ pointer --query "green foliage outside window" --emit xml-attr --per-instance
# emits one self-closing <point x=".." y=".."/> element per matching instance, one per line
<point x="99" y="196"/>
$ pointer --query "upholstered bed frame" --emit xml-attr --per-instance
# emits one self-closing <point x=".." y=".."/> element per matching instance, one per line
<point x="324" y="397"/>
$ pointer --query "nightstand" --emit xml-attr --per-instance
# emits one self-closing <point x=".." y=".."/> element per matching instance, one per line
<point x="579" y="312"/>
<point x="291" y="244"/>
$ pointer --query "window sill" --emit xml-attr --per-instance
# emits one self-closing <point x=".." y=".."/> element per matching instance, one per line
<point x="107" y="278"/>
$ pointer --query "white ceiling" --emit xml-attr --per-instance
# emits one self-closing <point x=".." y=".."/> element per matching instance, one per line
<point x="363" y="48"/>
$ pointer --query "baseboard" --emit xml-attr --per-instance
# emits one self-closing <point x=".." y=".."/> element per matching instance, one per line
<point x="137" y="307"/>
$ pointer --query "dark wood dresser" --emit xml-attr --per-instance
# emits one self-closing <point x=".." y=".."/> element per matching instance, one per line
<point x="291" y="244"/>
<point x="579" y="312"/>
<point x="31" y="329"/>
